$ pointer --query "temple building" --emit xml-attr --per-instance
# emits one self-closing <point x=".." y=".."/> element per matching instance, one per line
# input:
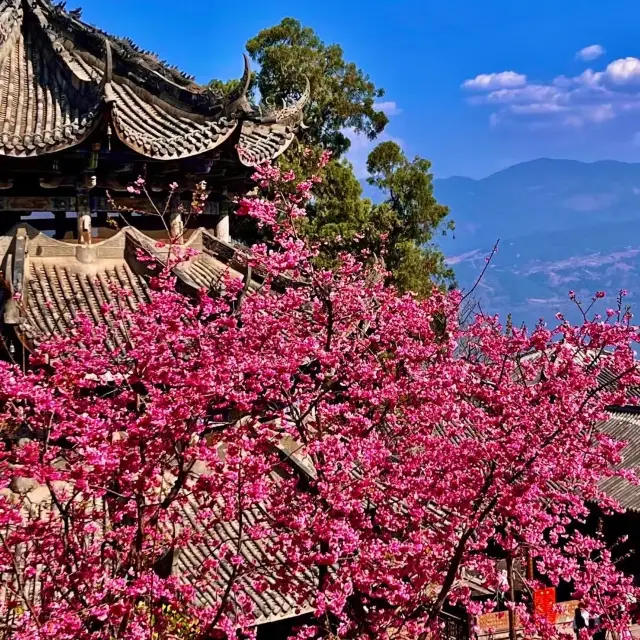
<point x="83" y="114"/>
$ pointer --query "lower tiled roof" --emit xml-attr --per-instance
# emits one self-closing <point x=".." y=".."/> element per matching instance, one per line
<point x="57" y="293"/>
<point x="259" y="561"/>
<point x="624" y="426"/>
<point x="268" y="606"/>
<point x="205" y="271"/>
<point x="59" y="280"/>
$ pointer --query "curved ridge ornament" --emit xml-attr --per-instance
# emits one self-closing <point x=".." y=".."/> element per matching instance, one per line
<point x="292" y="115"/>
<point x="107" y="77"/>
<point x="237" y="101"/>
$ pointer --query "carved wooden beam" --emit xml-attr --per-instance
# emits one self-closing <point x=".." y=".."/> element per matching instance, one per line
<point x="19" y="259"/>
<point x="144" y="206"/>
<point x="25" y="204"/>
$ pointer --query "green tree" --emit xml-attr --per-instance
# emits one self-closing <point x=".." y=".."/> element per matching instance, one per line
<point x="339" y="211"/>
<point x="342" y="95"/>
<point x="414" y="217"/>
<point x="401" y="228"/>
<point x="343" y="99"/>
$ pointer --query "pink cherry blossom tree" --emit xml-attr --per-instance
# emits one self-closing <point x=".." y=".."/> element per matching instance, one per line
<point x="321" y="439"/>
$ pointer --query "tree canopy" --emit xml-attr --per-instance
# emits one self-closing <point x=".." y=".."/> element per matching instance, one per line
<point x="401" y="227"/>
<point x="318" y="444"/>
<point x="404" y="225"/>
<point x="342" y="95"/>
<point x="414" y="217"/>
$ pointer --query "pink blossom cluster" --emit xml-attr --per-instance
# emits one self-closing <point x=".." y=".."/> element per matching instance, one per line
<point x="331" y="441"/>
<point x="138" y="186"/>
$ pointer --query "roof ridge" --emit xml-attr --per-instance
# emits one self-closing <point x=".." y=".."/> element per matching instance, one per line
<point x="82" y="78"/>
<point x="74" y="17"/>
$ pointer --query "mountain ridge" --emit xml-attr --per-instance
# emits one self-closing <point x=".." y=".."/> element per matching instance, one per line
<point x="563" y="224"/>
<point x="542" y="161"/>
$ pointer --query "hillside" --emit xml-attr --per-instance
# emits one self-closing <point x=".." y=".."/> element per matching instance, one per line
<point x="562" y="224"/>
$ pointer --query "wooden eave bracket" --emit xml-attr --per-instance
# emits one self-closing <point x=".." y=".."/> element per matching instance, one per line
<point x="16" y="275"/>
<point x="19" y="260"/>
<point x="108" y="94"/>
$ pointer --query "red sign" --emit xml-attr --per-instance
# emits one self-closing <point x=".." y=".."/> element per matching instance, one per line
<point x="544" y="601"/>
<point x="496" y="622"/>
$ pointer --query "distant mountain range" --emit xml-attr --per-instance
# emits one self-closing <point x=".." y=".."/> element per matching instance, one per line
<point x="563" y="225"/>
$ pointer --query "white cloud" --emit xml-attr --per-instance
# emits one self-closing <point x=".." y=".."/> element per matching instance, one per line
<point x="562" y="82"/>
<point x="594" y="97"/>
<point x="588" y="78"/>
<point x="490" y="81"/>
<point x="582" y="115"/>
<point x="600" y="113"/>
<point x="590" y="53"/>
<point x="389" y="107"/>
<point x="538" y="108"/>
<point x="526" y="94"/>
<point x="624" y="70"/>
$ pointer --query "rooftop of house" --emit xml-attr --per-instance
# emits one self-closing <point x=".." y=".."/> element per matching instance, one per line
<point x="57" y="280"/>
<point x="624" y="425"/>
<point x="61" y="80"/>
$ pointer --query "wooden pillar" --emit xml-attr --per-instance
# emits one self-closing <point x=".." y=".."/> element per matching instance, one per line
<point x="529" y="565"/>
<point x="176" y="223"/>
<point x="18" y="265"/>
<point x="83" y="209"/>
<point x="222" y="226"/>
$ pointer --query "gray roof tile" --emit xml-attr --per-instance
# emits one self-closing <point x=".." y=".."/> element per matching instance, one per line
<point x="624" y="425"/>
<point x="59" y="77"/>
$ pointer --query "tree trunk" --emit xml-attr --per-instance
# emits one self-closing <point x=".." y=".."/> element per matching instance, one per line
<point x="529" y="566"/>
<point x="512" y="597"/>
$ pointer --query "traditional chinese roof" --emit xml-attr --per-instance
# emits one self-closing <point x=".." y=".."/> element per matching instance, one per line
<point x="207" y="542"/>
<point x="62" y="79"/>
<point x="624" y="425"/>
<point x="270" y="605"/>
<point x="58" y="280"/>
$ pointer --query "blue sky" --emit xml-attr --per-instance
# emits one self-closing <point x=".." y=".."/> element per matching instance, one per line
<point x="543" y="99"/>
